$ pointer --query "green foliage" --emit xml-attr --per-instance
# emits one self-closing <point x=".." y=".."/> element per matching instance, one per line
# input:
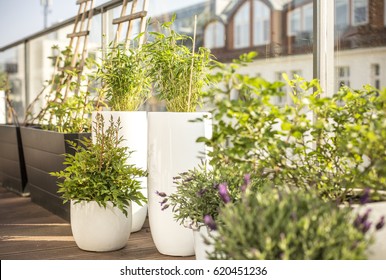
<point x="99" y="171"/>
<point x="197" y="193"/>
<point x="124" y="75"/>
<point x="334" y="145"/>
<point x="3" y="80"/>
<point x="178" y="73"/>
<point x="287" y="225"/>
<point x="69" y="102"/>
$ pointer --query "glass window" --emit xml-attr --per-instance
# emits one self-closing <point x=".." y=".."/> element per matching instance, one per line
<point x="294" y="22"/>
<point x="308" y="18"/>
<point x="341" y="14"/>
<point x="215" y="35"/>
<point x="343" y="78"/>
<point x="375" y="75"/>
<point x="359" y="12"/>
<point x="261" y="23"/>
<point x="241" y="30"/>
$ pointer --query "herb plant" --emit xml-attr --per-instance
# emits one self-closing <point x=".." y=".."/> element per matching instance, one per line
<point x="125" y="78"/>
<point x="178" y="73"/>
<point x="201" y="192"/>
<point x="99" y="172"/>
<point x="278" y="224"/>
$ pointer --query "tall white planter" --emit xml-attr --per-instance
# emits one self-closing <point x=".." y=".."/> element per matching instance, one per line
<point x="134" y="133"/>
<point x="99" y="229"/>
<point x="172" y="150"/>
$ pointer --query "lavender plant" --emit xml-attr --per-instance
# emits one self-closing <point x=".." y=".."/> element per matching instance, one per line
<point x="283" y="224"/>
<point x="202" y="191"/>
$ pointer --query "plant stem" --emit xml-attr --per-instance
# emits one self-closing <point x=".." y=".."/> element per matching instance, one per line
<point x="192" y="65"/>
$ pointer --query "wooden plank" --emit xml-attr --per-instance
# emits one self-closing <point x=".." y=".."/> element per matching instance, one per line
<point x="137" y="15"/>
<point x="78" y="34"/>
<point x="29" y="232"/>
<point x="81" y="1"/>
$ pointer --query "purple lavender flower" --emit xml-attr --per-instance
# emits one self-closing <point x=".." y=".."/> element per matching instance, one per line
<point x="166" y="206"/>
<point x="247" y="181"/>
<point x="366" y="226"/>
<point x="223" y="192"/>
<point x="208" y="220"/>
<point x="161" y="194"/>
<point x="365" y="216"/>
<point x="381" y="223"/>
<point x="357" y="221"/>
<point x="163" y="201"/>
<point x="365" y="197"/>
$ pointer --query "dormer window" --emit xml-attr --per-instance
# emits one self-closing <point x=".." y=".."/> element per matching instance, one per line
<point x="359" y="12"/>
<point x="215" y="35"/>
<point x="358" y="15"/>
<point x="261" y="23"/>
<point x="242" y="26"/>
<point x="259" y="27"/>
<point x="300" y="20"/>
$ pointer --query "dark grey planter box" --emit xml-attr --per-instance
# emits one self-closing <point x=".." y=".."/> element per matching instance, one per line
<point x="13" y="174"/>
<point x="44" y="153"/>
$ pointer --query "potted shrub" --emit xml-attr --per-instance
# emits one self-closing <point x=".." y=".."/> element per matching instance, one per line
<point x="179" y="74"/>
<point x="284" y="224"/>
<point x="65" y="115"/>
<point x="200" y="194"/>
<point x="101" y="187"/>
<point x="126" y="87"/>
<point x="12" y="166"/>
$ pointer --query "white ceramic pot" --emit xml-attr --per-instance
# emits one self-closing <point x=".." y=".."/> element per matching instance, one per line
<point x="202" y="248"/>
<point x="172" y="150"/>
<point x="134" y="133"/>
<point x="377" y="250"/>
<point x="99" y="229"/>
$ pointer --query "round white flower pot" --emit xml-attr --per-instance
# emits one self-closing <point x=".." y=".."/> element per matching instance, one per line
<point x="99" y="229"/>
<point x="201" y="247"/>
<point x="134" y="133"/>
<point x="172" y="150"/>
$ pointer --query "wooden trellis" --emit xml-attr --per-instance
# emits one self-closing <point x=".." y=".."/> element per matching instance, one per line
<point x="129" y="19"/>
<point x="79" y="39"/>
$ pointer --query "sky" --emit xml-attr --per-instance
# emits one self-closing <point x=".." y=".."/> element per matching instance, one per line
<point x="21" y="18"/>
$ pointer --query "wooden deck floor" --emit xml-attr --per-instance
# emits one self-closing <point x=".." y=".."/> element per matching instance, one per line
<point x="29" y="232"/>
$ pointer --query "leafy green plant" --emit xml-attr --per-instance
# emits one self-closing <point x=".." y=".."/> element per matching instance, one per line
<point x="67" y="98"/>
<point x="279" y="224"/>
<point x="178" y="73"/>
<point x="330" y="144"/>
<point x="3" y="81"/>
<point x="99" y="172"/>
<point x="201" y="192"/>
<point x="125" y="79"/>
